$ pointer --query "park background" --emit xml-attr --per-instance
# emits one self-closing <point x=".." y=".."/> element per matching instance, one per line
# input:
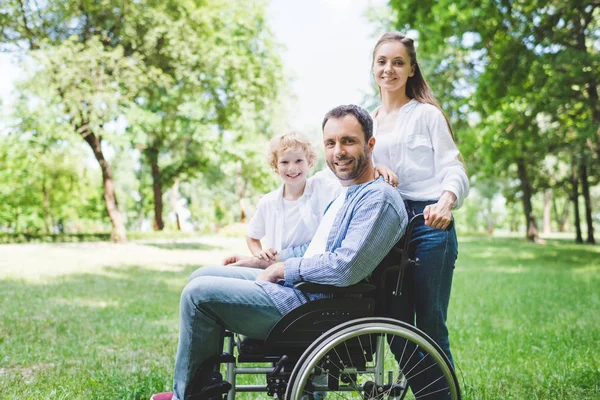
<point x="145" y="123"/>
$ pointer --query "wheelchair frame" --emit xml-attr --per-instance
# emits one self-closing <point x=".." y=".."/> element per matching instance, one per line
<point x="303" y="347"/>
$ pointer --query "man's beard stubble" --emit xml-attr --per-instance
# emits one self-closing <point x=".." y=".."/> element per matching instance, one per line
<point x="360" y="164"/>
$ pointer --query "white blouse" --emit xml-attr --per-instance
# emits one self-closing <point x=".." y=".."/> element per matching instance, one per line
<point x="273" y="222"/>
<point x="421" y="151"/>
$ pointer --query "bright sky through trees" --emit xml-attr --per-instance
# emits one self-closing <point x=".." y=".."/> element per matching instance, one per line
<point x="327" y="56"/>
<point x="328" y="45"/>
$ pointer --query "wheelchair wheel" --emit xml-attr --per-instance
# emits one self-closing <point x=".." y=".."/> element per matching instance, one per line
<point x="373" y="358"/>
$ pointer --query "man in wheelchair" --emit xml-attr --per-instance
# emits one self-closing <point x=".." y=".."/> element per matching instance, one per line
<point x="254" y="299"/>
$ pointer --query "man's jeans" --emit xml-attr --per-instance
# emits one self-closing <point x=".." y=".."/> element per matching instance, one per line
<point x="426" y="288"/>
<point x="217" y="298"/>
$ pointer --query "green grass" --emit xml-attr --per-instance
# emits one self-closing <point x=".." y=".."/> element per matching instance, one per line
<point x="524" y="322"/>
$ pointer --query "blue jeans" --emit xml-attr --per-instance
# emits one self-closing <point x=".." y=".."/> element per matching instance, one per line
<point x="426" y="288"/>
<point x="218" y="298"/>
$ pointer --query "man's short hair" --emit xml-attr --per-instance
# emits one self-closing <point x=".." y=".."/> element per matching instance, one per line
<point x="363" y="117"/>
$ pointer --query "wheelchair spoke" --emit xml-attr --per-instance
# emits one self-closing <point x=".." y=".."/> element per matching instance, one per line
<point x="416" y="365"/>
<point x="347" y="351"/>
<point x="386" y="369"/>
<point x="409" y="358"/>
<point x="418" y="373"/>
<point x="439" y="390"/>
<point x="362" y="349"/>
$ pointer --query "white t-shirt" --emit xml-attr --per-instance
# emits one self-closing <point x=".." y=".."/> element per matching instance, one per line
<point x="319" y="241"/>
<point x="421" y="151"/>
<point x="282" y="228"/>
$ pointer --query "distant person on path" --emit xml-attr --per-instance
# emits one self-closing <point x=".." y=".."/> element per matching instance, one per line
<point x="415" y="140"/>
<point x="358" y="229"/>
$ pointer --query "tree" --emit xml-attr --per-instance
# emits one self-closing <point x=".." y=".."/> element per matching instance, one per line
<point x="180" y="118"/>
<point x="43" y="177"/>
<point x="194" y="65"/>
<point x="88" y="86"/>
<point x="493" y="58"/>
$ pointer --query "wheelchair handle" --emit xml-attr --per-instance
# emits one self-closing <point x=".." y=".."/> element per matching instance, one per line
<point x="409" y="229"/>
<point x="405" y="260"/>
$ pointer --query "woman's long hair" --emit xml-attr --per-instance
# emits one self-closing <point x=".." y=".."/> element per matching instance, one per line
<point x="416" y="85"/>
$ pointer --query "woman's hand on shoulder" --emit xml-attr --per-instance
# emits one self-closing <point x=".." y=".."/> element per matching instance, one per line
<point x="388" y="175"/>
<point x="439" y="215"/>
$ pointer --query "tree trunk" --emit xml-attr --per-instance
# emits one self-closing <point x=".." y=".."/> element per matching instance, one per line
<point x="575" y="200"/>
<point x="531" y="225"/>
<point x="547" y="220"/>
<point x="140" y="204"/>
<point x="585" y="190"/>
<point x="118" y="233"/>
<point x="46" y="193"/>
<point x="561" y="217"/>
<point x="592" y="91"/>
<point x="174" y="200"/>
<point x="241" y="190"/>
<point x="17" y="217"/>
<point x="490" y="218"/>
<point x="593" y="94"/>
<point x="152" y="155"/>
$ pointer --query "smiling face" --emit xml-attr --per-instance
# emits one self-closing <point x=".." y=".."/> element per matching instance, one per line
<point x="293" y="166"/>
<point x="392" y="66"/>
<point x="346" y="152"/>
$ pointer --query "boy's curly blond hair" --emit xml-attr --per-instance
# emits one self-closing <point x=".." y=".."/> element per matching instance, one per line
<point x="291" y="140"/>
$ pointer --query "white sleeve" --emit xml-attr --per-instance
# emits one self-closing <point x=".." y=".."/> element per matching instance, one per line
<point x="257" y="227"/>
<point x="450" y="169"/>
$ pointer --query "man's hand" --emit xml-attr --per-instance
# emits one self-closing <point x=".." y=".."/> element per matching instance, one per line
<point x="439" y="215"/>
<point x="272" y="274"/>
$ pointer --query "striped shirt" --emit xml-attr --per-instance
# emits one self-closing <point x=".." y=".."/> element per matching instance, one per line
<point x="371" y="221"/>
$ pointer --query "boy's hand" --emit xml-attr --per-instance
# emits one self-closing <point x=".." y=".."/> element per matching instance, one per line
<point x="248" y="262"/>
<point x="388" y="175"/>
<point x="233" y="259"/>
<point x="266" y="255"/>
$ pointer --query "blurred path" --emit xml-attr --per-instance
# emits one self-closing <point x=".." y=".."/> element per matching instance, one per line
<point x="34" y="261"/>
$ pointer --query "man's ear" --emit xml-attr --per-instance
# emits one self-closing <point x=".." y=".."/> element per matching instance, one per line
<point x="371" y="143"/>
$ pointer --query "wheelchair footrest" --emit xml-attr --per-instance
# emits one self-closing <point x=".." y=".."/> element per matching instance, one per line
<point x="212" y="392"/>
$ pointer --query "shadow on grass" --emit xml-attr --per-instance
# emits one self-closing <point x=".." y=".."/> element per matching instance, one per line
<point x="184" y="246"/>
<point x="107" y="335"/>
<point x="508" y="253"/>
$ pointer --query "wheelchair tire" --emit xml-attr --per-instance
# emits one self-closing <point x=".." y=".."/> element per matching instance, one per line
<point x="358" y="361"/>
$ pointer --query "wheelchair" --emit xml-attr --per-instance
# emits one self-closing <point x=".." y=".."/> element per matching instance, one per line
<point x="345" y="346"/>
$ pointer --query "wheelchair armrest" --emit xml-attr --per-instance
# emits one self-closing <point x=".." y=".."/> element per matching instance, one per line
<point x="310" y="287"/>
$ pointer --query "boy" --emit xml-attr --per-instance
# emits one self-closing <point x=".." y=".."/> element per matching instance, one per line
<point x="289" y="215"/>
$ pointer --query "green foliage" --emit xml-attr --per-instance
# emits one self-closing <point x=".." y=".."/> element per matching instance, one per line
<point x="519" y="79"/>
<point x="43" y="180"/>
<point x="166" y="90"/>
<point x="8" y="238"/>
<point x="218" y="78"/>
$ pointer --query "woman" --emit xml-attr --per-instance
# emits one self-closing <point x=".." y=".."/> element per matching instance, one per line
<point x="415" y="140"/>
